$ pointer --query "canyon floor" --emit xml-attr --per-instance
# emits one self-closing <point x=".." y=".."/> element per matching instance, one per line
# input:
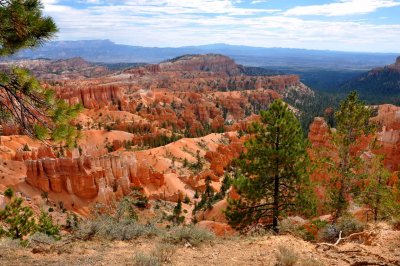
<point x="236" y="250"/>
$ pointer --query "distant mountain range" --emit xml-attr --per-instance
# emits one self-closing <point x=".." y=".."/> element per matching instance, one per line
<point x="106" y="51"/>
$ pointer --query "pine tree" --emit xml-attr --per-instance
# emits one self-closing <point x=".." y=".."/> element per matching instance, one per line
<point x="226" y="184"/>
<point x="273" y="170"/>
<point x="17" y="221"/>
<point x="45" y="195"/>
<point x="377" y="193"/>
<point x="176" y="218"/>
<point x="46" y="225"/>
<point x="25" y="102"/>
<point x="208" y="191"/>
<point x="126" y="211"/>
<point x="9" y="193"/>
<point x="207" y="197"/>
<point x="352" y="123"/>
<point x="186" y="200"/>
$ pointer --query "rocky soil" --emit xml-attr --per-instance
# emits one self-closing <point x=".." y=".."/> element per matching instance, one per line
<point x="256" y="250"/>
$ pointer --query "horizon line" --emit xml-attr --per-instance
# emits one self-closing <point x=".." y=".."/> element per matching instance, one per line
<point x="226" y="44"/>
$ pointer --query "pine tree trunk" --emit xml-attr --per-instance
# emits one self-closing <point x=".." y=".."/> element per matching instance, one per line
<point x="275" y="214"/>
<point x="341" y="204"/>
<point x="378" y="200"/>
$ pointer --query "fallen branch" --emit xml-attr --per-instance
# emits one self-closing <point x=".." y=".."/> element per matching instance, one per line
<point x="368" y="234"/>
<point x="330" y="244"/>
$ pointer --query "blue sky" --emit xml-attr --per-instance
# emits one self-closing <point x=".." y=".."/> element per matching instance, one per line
<point x="346" y="25"/>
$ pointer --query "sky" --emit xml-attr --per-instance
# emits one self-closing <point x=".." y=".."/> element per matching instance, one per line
<point x="343" y="25"/>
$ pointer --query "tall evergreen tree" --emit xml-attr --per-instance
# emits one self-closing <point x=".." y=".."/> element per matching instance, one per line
<point x="274" y="170"/>
<point x="23" y="100"/>
<point x="352" y="123"/>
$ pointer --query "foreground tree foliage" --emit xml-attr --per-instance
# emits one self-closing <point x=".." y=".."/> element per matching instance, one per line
<point x="176" y="217"/>
<point x="378" y="193"/>
<point x="17" y="220"/>
<point x="274" y="175"/>
<point x="23" y="100"/>
<point x="352" y="124"/>
<point x="46" y="226"/>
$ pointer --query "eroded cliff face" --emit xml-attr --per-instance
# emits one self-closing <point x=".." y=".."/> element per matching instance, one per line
<point x="197" y="101"/>
<point x="193" y="93"/>
<point x="84" y="177"/>
<point x="389" y="135"/>
<point x="99" y="176"/>
<point x="189" y="90"/>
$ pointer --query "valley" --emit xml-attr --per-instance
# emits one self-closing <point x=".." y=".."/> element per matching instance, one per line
<point x="171" y="130"/>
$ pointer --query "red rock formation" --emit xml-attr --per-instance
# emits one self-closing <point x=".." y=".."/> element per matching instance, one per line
<point x="219" y="229"/>
<point x="192" y="94"/>
<point x="389" y="136"/>
<point x="84" y="177"/>
<point x="34" y="154"/>
<point x="319" y="133"/>
<point x="224" y="154"/>
<point x="92" y="97"/>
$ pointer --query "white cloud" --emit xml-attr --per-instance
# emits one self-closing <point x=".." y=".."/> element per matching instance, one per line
<point x="343" y="8"/>
<point x="49" y="2"/>
<point x="192" y="22"/>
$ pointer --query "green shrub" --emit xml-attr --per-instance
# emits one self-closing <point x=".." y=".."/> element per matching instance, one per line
<point x="109" y="128"/>
<point x="125" y="209"/>
<point x="296" y="229"/>
<point x="7" y="242"/>
<point x="186" y="200"/>
<point x="349" y="225"/>
<point x="310" y="262"/>
<point x="161" y="254"/>
<point x="189" y="234"/>
<point x="26" y="147"/>
<point x="346" y="224"/>
<point x="329" y="233"/>
<point x="9" y="193"/>
<point x="46" y="225"/>
<point x="164" y="252"/>
<point x="40" y="238"/>
<point x="72" y="221"/>
<point x="286" y="257"/>
<point x="17" y="221"/>
<point x="176" y="218"/>
<point x="142" y="259"/>
<point x="106" y="227"/>
<point x="140" y="200"/>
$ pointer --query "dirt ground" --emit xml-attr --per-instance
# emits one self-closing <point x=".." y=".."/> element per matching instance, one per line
<point x="384" y="250"/>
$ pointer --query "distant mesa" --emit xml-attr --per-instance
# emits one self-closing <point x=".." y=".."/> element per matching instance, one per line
<point x="209" y="62"/>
